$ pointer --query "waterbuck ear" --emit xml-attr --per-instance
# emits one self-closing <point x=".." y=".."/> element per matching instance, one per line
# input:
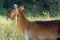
<point x="21" y="7"/>
<point x="16" y="8"/>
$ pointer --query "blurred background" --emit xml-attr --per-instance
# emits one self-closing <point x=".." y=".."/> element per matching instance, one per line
<point x="41" y="10"/>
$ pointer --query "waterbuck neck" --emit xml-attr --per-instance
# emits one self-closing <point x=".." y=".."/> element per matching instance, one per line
<point x="21" y="21"/>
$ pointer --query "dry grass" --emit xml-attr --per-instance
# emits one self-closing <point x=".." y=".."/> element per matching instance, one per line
<point x="8" y="30"/>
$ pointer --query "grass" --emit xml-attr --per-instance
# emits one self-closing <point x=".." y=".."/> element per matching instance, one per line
<point x="43" y="18"/>
<point x="9" y="31"/>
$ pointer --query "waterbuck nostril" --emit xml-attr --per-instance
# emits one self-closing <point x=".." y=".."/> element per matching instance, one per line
<point x="7" y="18"/>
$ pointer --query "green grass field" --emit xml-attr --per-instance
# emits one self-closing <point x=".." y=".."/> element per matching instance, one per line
<point x="9" y="30"/>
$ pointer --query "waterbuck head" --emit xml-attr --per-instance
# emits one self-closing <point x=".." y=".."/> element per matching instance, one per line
<point x="14" y="12"/>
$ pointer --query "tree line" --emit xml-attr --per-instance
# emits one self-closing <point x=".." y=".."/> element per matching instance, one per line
<point x="33" y="6"/>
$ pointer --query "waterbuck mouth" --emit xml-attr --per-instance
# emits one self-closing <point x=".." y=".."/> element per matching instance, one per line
<point x="7" y="18"/>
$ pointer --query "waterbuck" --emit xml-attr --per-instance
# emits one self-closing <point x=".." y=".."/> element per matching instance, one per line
<point x="35" y="30"/>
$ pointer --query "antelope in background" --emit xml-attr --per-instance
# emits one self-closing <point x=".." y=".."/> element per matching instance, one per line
<point x="35" y="30"/>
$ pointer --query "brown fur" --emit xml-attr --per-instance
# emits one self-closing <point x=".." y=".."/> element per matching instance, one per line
<point x="37" y="30"/>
